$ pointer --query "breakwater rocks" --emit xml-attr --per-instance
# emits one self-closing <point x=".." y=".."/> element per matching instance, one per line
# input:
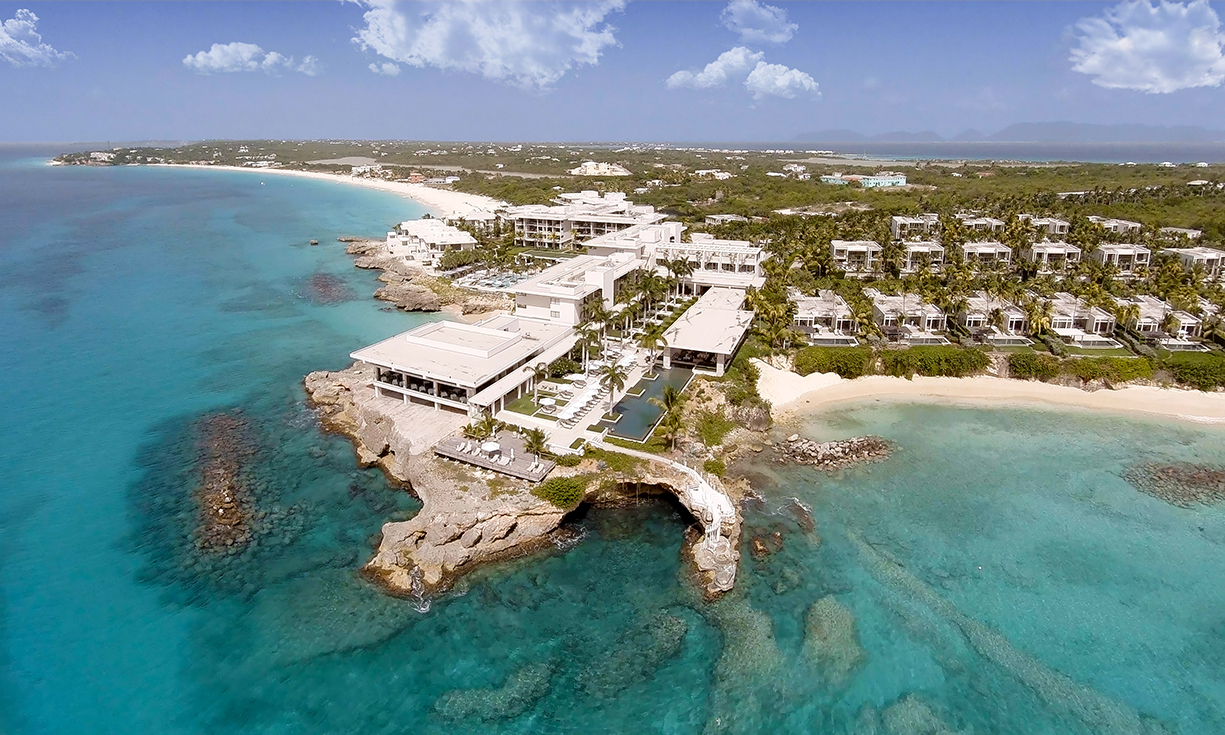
<point x="1182" y="484"/>
<point x="225" y="506"/>
<point x="834" y="455"/>
<point x="409" y="288"/>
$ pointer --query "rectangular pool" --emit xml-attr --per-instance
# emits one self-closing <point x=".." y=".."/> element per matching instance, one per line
<point x="638" y="416"/>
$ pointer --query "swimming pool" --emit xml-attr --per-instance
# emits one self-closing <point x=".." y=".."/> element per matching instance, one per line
<point x="638" y="415"/>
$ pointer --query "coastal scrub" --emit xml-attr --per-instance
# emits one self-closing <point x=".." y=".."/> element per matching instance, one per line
<point x="847" y="362"/>
<point x="564" y="492"/>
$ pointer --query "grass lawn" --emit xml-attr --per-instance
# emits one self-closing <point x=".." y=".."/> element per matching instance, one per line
<point x="523" y="405"/>
<point x="1113" y="352"/>
<point x="1015" y="349"/>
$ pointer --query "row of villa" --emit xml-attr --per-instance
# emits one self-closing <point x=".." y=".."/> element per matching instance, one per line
<point x="828" y="320"/>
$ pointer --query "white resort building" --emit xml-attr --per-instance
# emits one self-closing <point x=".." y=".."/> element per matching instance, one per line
<point x="465" y="368"/>
<point x="421" y="239"/>
<point x="714" y="262"/>
<point x="560" y="293"/>
<point x="981" y="224"/>
<point x="1079" y="324"/>
<point x="907" y="317"/>
<point x="710" y="331"/>
<point x="923" y="254"/>
<point x="1177" y="233"/>
<point x="1117" y="226"/>
<point x="856" y="256"/>
<point x="1211" y="262"/>
<point x="980" y="317"/>
<point x="577" y="218"/>
<point x="599" y="168"/>
<point x="1124" y="256"/>
<point x="987" y="254"/>
<point x="904" y="228"/>
<point x="1153" y="313"/>
<point x="1050" y="226"/>
<point x="1052" y="257"/>
<point x="826" y="319"/>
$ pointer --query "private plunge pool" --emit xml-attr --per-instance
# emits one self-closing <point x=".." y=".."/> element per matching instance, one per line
<point x="636" y="415"/>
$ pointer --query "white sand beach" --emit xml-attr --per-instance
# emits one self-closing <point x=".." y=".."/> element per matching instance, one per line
<point x="441" y="202"/>
<point x="792" y="394"/>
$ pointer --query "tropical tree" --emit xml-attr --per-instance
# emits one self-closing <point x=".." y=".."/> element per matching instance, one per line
<point x="540" y="373"/>
<point x="672" y="401"/>
<point x="485" y="428"/>
<point x="535" y="441"/>
<point x="612" y="379"/>
<point x="653" y="342"/>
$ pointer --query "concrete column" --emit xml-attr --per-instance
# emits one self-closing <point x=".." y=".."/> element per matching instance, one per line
<point x="719" y="364"/>
<point x="436" y="405"/>
<point x="667" y="358"/>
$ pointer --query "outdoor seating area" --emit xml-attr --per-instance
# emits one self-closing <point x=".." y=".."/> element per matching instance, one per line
<point x="502" y="453"/>
<point x="587" y="391"/>
<point x="491" y="280"/>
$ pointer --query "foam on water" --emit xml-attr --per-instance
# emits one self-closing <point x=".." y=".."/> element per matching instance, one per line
<point x="996" y="574"/>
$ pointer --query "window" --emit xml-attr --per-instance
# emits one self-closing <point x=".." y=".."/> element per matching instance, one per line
<point x="555" y="315"/>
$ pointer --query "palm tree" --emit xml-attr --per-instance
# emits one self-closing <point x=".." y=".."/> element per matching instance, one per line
<point x="588" y="337"/>
<point x="535" y="441"/>
<point x="539" y="373"/>
<point x="653" y="342"/>
<point x="485" y="428"/>
<point x="612" y="378"/>
<point x="672" y="402"/>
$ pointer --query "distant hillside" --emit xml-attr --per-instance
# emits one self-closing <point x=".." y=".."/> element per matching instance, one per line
<point x="1052" y="132"/>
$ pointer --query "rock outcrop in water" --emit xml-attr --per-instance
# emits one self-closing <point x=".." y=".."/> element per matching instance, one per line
<point x="830" y="641"/>
<point x="834" y="455"/>
<point x="411" y="289"/>
<point x="224" y="500"/>
<point x="1184" y="484"/>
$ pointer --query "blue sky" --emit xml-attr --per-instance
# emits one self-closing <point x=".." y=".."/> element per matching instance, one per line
<point x="598" y="71"/>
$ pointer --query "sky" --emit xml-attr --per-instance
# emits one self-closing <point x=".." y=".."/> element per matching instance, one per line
<point x="598" y="70"/>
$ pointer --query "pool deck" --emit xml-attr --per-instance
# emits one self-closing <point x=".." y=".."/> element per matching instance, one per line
<point x="639" y="400"/>
<point x="521" y="467"/>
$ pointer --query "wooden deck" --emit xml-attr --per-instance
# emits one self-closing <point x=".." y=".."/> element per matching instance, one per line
<point x="521" y="467"/>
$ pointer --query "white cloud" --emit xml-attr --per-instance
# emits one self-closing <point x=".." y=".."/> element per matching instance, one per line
<point x="1152" y="48"/>
<point x="387" y="69"/>
<point x="760" y="78"/>
<point x="529" y="44"/>
<point x="758" y="23"/>
<point x="239" y="57"/>
<point x="731" y="64"/>
<point x="21" y="45"/>
<point x="778" y="81"/>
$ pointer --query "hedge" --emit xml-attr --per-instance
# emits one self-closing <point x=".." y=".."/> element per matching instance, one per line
<point x="1205" y="371"/>
<point x="848" y="362"/>
<point x="564" y="492"/>
<point x="1029" y="366"/>
<point x="1032" y="366"/>
<point x="952" y="362"/>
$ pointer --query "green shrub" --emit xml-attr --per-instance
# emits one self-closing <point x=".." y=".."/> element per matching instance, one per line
<point x="1054" y="344"/>
<point x="616" y="461"/>
<point x="848" y="362"/>
<point x="453" y="259"/>
<point x="712" y="426"/>
<point x="953" y="362"/>
<point x="1031" y="366"/>
<point x="569" y="460"/>
<point x="1114" y="369"/>
<point x="716" y="467"/>
<point x="563" y="366"/>
<point x="1205" y="371"/>
<point x="564" y="492"/>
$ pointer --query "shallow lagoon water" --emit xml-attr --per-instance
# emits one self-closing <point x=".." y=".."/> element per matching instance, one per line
<point x="1002" y="577"/>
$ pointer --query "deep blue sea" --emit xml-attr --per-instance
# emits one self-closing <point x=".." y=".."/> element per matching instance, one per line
<point x="996" y="575"/>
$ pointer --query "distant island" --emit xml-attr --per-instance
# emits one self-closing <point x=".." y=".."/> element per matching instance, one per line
<point x="1047" y="132"/>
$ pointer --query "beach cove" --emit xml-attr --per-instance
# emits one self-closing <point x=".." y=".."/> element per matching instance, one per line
<point x="995" y="574"/>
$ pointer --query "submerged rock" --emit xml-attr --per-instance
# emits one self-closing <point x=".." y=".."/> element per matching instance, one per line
<point x="830" y="641"/>
<point x="225" y="507"/>
<point x="1182" y="484"/>
<point x="521" y="690"/>
<point x="325" y="288"/>
<point x="834" y="455"/>
<point x="641" y="651"/>
<point x="911" y="716"/>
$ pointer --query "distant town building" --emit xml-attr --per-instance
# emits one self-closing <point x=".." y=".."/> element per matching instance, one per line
<point x="713" y="173"/>
<point x="1176" y="232"/>
<point x="867" y="181"/>
<point x="722" y="219"/>
<point x="599" y="168"/>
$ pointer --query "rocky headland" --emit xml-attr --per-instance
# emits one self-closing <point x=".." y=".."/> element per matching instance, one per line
<point x="470" y="516"/>
<point x="410" y="288"/>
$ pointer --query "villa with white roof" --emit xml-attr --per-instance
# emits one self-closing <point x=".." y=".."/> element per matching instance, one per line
<point x="708" y="333"/>
<point x="427" y="237"/>
<point x="1117" y="226"/>
<point x="1124" y="256"/>
<point x="1079" y="324"/>
<point x="981" y="224"/>
<point x="987" y="254"/>
<point x="1052" y="257"/>
<point x="1050" y="225"/>
<point x="1210" y="261"/>
<point x="560" y="293"/>
<point x="977" y="316"/>
<point x="826" y="318"/>
<point x="907" y="317"/>
<point x="1153" y="313"/>
<point x="922" y="254"/>
<point x="577" y="218"/>
<point x="465" y="368"/>
<point x="1175" y="233"/>
<point x="715" y="262"/>
<point x="903" y="227"/>
<point x="856" y="256"/>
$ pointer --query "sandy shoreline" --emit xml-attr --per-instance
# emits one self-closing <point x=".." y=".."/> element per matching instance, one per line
<point x="793" y="395"/>
<point x="440" y="202"/>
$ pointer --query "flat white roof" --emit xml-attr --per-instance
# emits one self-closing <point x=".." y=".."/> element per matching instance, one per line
<point x="1053" y="246"/>
<point x="986" y="246"/>
<point x="855" y="244"/>
<point x="914" y="305"/>
<point x="825" y="304"/>
<point x="715" y="323"/>
<point x="465" y="355"/>
<point x="1122" y="248"/>
<point x="1199" y="252"/>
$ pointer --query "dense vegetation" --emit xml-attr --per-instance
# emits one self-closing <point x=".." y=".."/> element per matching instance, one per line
<point x="848" y="362"/>
<point x="1031" y="366"/>
<point x="1205" y="371"/>
<point x="564" y="492"/>
<point x="952" y="362"/>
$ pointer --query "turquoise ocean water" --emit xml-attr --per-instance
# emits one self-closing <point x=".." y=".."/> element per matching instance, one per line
<point x="1001" y="576"/>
